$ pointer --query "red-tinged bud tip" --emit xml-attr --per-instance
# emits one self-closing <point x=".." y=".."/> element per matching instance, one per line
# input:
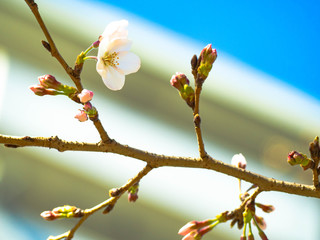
<point x="41" y="91"/>
<point x="48" y="215"/>
<point x="295" y="158"/>
<point x="265" y="208"/>
<point x="96" y="44"/>
<point x="49" y="81"/>
<point x="179" y="80"/>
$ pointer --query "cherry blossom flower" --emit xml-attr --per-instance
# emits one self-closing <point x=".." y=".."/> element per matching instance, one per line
<point x="114" y="59"/>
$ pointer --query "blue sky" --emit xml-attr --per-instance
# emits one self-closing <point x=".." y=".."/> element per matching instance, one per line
<point x="280" y="38"/>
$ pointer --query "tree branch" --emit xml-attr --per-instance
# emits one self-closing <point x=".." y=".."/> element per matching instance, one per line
<point x="156" y="160"/>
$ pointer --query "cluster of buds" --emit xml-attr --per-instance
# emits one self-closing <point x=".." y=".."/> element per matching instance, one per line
<point x="133" y="192"/>
<point x="194" y="230"/>
<point x="48" y="85"/>
<point x="295" y="158"/>
<point x="62" y="212"/>
<point x="250" y="216"/>
<point x="88" y="110"/>
<point x="201" y="66"/>
<point x="182" y="84"/>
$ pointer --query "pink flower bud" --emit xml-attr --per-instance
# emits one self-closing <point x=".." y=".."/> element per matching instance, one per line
<point x="132" y="197"/>
<point x="62" y="212"/>
<point x="295" y="158"/>
<point x="48" y="215"/>
<point x="179" y="80"/>
<point x="239" y="161"/>
<point x="265" y="208"/>
<point x="192" y="225"/>
<point x="41" y="91"/>
<point x="207" y="58"/>
<point x="85" y="96"/>
<point x="81" y="116"/>
<point x="96" y="44"/>
<point x="193" y="235"/>
<point x="49" y="81"/>
<point x="133" y="193"/>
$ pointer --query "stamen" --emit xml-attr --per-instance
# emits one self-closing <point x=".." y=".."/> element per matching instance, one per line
<point x="111" y="59"/>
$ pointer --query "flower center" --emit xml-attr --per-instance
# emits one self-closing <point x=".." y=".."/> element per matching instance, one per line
<point x="110" y="59"/>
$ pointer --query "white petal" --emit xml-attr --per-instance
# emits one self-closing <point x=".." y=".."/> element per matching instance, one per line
<point x="116" y="29"/>
<point x="103" y="47"/>
<point x="113" y="79"/>
<point x="128" y="62"/>
<point x="101" y="68"/>
<point x="118" y="45"/>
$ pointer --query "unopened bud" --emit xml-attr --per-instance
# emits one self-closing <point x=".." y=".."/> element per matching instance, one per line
<point x="194" y="225"/>
<point x="181" y="82"/>
<point x="295" y="158"/>
<point x="206" y="58"/>
<point x="62" y="212"/>
<point x="49" y="81"/>
<point x="85" y="96"/>
<point x="41" y="91"/>
<point x="96" y="44"/>
<point x="265" y="208"/>
<point x="133" y="193"/>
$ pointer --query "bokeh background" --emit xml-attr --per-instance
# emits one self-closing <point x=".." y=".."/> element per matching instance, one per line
<point x="261" y="99"/>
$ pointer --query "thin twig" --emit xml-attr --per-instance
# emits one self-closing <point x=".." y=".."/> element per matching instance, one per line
<point x="197" y="121"/>
<point x="111" y="201"/>
<point x="53" y="49"/>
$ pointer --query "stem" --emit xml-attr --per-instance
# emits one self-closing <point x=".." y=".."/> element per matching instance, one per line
<point x="112" y="200"/>
<point x="90" y="57"/>
<point x="53" y="49"/>
<point x="197" y="121"/>
<point x="103" y="134"/>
